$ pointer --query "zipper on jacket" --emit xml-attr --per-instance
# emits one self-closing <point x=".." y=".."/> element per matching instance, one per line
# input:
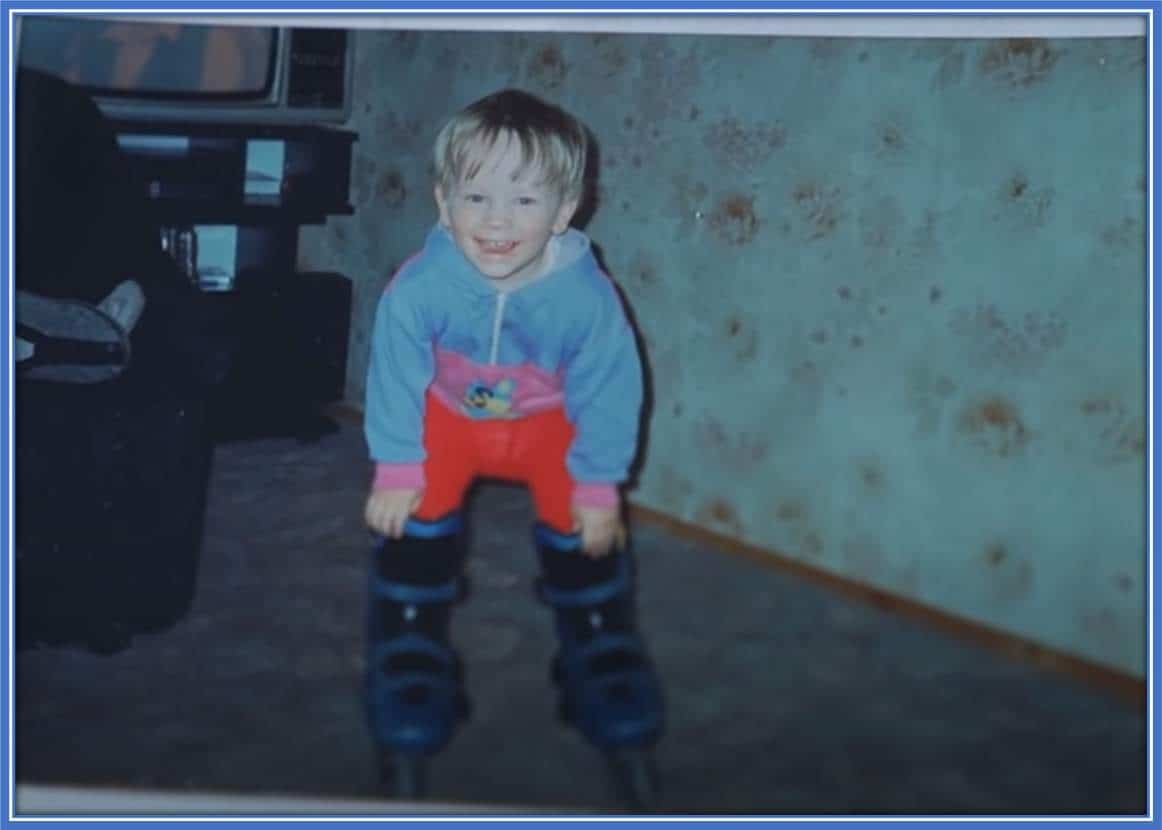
<point x="495" y="350"/>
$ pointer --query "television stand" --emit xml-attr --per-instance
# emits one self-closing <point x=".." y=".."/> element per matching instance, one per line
<point x="289" y="335"/>
<point x="229" y="200"/>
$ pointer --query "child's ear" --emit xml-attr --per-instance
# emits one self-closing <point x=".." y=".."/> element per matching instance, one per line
<point x="442" y="204"/>
<point x="565" y="215"/>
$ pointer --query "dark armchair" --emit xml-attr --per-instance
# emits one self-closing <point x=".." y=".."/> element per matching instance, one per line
<point x="110" y="477"/>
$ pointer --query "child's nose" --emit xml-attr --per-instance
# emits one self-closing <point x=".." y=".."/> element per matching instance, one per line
<point x="498" y="214"/>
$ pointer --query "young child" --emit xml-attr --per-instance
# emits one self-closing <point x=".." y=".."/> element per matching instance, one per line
<point x="502" y="350"/>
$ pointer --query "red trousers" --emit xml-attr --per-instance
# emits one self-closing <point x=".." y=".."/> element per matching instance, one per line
<point x="530" y="450"/>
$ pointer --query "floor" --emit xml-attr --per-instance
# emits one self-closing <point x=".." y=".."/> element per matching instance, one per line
<point x="784" y="698"/>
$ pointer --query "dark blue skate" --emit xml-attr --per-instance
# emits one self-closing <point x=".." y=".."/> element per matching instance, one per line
<point x="608" y="687"/>
<point x="414" y="680"/>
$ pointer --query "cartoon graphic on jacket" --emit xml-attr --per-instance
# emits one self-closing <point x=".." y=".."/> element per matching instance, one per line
<point x="560" y="340"/>
<point x="484" y="401"/>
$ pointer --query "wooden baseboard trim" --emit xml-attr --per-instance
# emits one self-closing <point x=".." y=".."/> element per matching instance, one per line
<point x="1126" y="688"/>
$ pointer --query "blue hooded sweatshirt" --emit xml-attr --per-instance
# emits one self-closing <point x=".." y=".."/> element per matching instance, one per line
<point x="560" y="339"/>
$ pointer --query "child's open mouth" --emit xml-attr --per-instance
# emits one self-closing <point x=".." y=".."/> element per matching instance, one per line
<point x="492" y="246"/>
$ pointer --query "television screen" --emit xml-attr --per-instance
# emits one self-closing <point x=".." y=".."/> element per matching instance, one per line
<point x="152" y="59"/>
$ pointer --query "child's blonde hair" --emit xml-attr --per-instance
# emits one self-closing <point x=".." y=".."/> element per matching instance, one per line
<point x="549" y="137"/>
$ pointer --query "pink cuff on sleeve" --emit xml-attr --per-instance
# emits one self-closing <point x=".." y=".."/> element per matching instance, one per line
<point x="398" y="476"/>
<point x="595" y="495"/>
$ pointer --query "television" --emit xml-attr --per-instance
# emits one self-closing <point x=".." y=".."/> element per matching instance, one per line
<point x="160" y="71"/>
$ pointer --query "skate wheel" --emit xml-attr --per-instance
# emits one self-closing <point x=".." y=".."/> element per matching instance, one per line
<point x="403" y="776"/>
<point x="636" y="778"/>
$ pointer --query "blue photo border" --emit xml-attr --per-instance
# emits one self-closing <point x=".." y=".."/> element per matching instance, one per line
<point x="1149" y="8"/>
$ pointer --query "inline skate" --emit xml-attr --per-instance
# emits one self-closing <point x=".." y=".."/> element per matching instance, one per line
<point x="608" y="688"/>
<point x="414" y="684"/>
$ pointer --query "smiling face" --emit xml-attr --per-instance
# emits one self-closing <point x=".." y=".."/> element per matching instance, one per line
<point x="503" y="215"/>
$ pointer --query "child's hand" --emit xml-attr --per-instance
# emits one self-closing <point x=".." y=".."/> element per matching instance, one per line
<point x="387" y="510"/>
<point x="601" y="529"/>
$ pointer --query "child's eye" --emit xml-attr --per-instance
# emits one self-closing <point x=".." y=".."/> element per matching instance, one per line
<point x="474" y="198"/>
<point x="526" y="201"/>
